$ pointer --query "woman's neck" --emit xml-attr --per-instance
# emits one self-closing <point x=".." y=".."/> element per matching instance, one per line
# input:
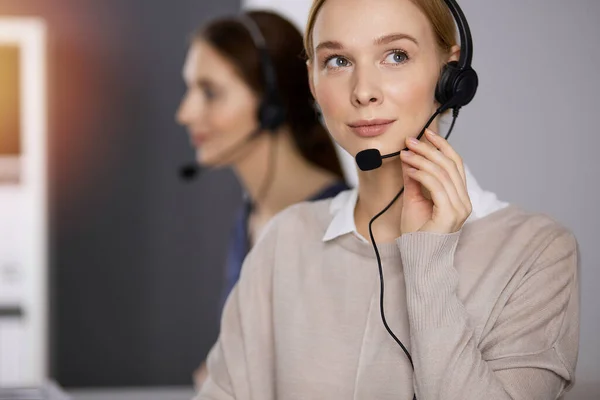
<point x="376" y="190"/>
<point x="291" y="178"/>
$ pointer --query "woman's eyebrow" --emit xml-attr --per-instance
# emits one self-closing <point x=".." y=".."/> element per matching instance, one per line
<point x="386" y="39"/>
<point x="392" y="37"/>
<point x="329" y="44"/>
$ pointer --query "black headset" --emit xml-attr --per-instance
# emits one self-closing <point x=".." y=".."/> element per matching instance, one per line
<point x="271" y="111"/>
<point x="458" y="82"/>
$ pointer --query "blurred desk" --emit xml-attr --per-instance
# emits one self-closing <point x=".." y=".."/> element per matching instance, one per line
<point x="158" y="393"/>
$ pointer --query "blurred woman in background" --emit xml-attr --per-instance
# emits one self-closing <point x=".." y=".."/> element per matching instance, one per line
<point x="226" y="86"/>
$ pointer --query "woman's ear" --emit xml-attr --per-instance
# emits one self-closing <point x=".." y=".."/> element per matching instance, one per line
<point x="454" y="53"/>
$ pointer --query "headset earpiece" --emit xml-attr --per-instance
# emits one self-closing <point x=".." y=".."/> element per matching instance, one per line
<point x="456" y="87"/>
<point x="443" y="91"/>
<point x="271" y="111"/>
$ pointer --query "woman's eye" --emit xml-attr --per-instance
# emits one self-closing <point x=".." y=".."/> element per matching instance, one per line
<point x="397" y="57"/>
<point x="337" y="62"/>
<point x="209" y="94"/>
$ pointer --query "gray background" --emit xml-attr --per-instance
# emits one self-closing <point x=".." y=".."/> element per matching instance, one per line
<point x="531" y="135"/>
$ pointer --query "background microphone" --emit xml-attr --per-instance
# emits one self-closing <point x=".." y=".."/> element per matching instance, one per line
<point x="190" y="171"/>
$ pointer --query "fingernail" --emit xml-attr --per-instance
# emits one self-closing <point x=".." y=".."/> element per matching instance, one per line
<point x="431" y="133"/>
<point x="411" y="170"/>
<point x="412" y="140"/>
<point x="407" y="153"/>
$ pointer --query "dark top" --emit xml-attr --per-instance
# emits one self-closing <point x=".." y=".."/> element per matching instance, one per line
<point x="239" y="245"/>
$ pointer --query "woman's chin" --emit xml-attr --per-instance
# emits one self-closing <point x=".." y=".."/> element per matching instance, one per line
<point x="384" y="148"/>
<point x="206" y="160"/>
<point x="385" y="145"/>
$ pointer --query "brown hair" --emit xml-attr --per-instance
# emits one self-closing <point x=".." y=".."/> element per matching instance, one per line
<point x="436" y="11"/>
<point x="284" y="43"/>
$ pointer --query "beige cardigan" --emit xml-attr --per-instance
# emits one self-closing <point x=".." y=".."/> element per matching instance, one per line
<point x="491" y="312"/>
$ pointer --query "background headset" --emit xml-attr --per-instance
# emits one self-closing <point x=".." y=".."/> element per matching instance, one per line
<point x="456" y="88"/>
<point x="271" y="113"/>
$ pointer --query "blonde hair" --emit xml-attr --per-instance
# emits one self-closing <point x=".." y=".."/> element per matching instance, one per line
<point x="436" y="11"/>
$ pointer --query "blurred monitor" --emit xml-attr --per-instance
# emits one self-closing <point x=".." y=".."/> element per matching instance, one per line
<point x="10" y="114"/>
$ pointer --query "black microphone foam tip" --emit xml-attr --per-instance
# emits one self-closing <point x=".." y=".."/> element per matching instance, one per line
<point x="368" y="159"/>
<point x="188" y="172"/>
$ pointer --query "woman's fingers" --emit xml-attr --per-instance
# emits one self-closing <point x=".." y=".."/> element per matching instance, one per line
<point x="447" y="185"/>
<point x="440" y="153"/>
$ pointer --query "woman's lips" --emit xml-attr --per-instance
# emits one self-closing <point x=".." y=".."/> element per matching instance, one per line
<point x="371" y="128"/>
<point x="197" y="140"/>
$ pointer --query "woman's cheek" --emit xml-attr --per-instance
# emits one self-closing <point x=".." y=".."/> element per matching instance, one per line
<point x="409" y="95"/>
<point x="330" y="97"/>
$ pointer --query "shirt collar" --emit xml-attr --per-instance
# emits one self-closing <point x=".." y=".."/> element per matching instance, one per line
<point x="342" y="211"/>
<point x="342" y="208"/>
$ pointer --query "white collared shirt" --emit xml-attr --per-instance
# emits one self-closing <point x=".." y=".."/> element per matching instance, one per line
<point x="342" y="208"/>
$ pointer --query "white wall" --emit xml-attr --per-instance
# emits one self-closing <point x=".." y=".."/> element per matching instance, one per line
<point x="295" y="10"/>
<point x="531" y="133"/>
<point x="23" y="219"/>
